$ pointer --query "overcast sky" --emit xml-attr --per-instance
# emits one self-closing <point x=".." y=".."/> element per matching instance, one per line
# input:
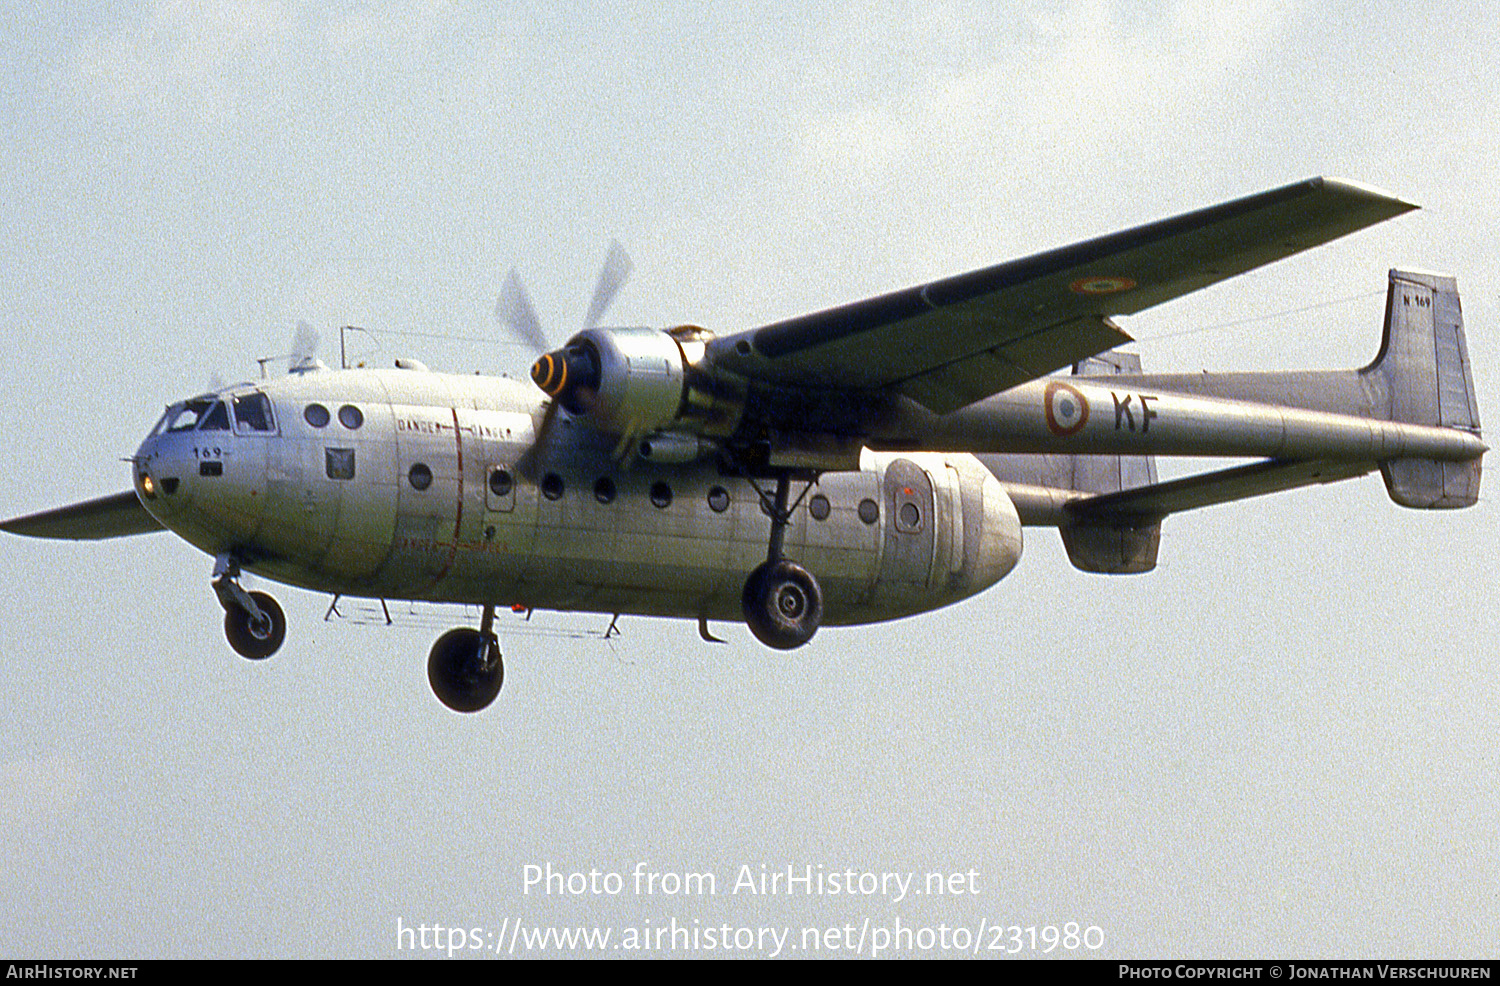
<point x="1280" y="743"/>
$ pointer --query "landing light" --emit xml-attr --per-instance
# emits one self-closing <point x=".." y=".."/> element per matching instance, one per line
<point x="148" y="486"/>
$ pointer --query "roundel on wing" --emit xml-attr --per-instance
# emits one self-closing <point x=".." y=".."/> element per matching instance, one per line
<point x="1101" y="285"/>
<point x="1067" y="408"/>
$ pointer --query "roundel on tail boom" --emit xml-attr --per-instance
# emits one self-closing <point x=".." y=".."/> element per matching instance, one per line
<point x="1066" y="408"/>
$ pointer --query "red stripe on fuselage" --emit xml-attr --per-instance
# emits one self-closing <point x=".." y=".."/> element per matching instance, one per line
<point x="458" y="509"/>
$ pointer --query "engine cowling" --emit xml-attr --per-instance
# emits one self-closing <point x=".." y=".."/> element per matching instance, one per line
<point x="622" y="381"/>
<point x="639" y="381"/>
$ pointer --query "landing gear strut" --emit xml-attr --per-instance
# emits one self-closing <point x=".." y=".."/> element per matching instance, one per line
<point x="782" y="602"/>
<point x="464" y="667"/>
<point x="253" y="622"/>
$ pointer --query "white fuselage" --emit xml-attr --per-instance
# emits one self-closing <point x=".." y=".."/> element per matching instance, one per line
<point x="408" y="484"/>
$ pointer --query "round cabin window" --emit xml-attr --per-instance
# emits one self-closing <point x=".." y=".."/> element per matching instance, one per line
<point x="501" y="483"/>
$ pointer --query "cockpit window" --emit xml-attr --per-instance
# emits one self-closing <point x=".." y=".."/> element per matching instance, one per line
<point x="217" y="418"/>
<point x="185" y="416"/>
<point x="252" y="413"/>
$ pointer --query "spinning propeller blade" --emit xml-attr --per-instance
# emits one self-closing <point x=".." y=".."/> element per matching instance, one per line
<point x="513" y="310"/>
<point x="612" y="277"/>
<point x="304" y="355"/>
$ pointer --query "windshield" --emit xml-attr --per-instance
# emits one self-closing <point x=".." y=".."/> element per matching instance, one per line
<point x="184" y="416"/>
<point x="203" y="413"/>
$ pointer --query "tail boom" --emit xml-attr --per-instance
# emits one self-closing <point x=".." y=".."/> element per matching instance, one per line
<point x="1412" y="411"/>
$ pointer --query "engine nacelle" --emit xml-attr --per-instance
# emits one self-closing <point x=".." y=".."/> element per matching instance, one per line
<point x="635" y="381"/>
<point x="622" y="381"/>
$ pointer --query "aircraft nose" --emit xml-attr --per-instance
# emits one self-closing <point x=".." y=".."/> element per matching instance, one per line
<point x="169" y="465"/>
<point x="157" y="481"/>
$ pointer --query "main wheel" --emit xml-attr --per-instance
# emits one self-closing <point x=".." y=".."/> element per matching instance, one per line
<point x="783" y="604"/>
<point x="465" y="670"/>
<point x="256" y="639"/>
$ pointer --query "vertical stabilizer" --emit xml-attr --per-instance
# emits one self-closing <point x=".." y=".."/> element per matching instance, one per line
<point x="1115" y="548"/>
<point x="1424" y="366"/>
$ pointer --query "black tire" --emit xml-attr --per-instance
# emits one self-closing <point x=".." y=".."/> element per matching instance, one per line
<point x="464" y="670"/>
<point x="783" y="604"/>
<point x="256" y="640"/>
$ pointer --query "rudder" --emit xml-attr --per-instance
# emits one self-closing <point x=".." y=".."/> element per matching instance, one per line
<point x="1423" y="365"/>
<point x="1111" y="548"/>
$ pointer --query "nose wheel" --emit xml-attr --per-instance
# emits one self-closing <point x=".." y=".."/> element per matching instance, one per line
<point x="254" y="624"/>
<point x="255" y="636"/>
<point x="465" y="670"/>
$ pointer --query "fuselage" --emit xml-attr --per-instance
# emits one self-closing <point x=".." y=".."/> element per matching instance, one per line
<point x="410" y="484"/>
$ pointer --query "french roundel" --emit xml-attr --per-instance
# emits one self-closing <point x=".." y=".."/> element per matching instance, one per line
<point x="1067" y="408"/>
<point x="1101" y="285"/>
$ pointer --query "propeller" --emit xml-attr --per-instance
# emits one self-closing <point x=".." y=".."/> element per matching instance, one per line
<point x="612" y="277"/>
<point x="515" y="312"/>
<point x="302" y="357"/>
<point x="304" y="354"/>
<point x="571" y="374"/>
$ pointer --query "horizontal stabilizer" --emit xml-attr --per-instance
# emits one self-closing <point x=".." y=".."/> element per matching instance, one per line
<point x="114" y="516"/>
<point x="1207" y="489"/>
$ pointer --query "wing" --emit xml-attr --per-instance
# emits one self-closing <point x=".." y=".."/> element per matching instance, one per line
<point x="952" y="342"/>
<point x="114" y="516"/>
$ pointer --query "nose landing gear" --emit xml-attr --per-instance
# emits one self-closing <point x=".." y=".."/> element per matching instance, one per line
<point x="255" y="636"/>
<point x="464" y="667"/>
<point x="254" y="624"/>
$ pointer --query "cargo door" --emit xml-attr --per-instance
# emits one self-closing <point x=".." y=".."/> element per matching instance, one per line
<point x="909" y="528"/>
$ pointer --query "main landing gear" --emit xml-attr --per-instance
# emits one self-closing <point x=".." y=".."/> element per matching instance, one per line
<point x="253" y="622"/>
<point x="782" y="602"/>
<point x="464" y="667"/>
